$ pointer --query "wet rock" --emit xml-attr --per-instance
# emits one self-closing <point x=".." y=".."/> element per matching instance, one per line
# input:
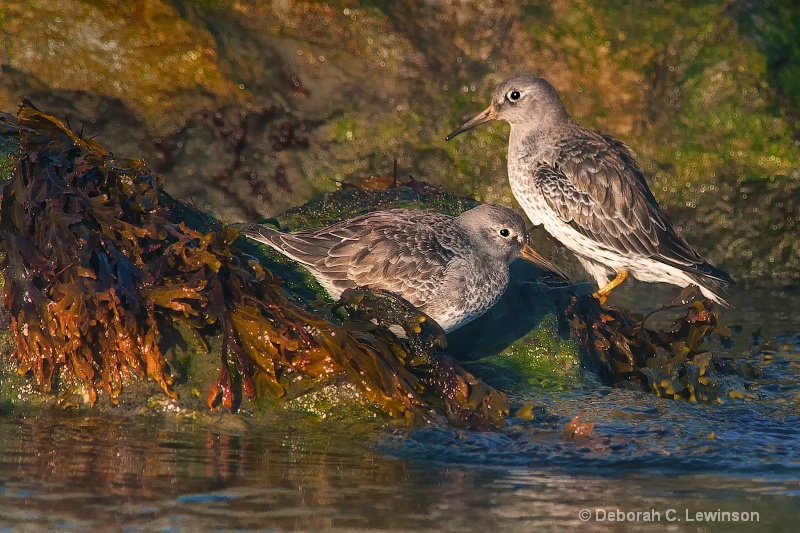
<point x="233" y="98"/>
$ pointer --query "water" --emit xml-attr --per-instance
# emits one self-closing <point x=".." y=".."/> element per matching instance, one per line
<point x="66" y="471"/>
<point x="69" y="473"/>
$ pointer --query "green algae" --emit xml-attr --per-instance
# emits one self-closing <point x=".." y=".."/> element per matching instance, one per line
<point x="337" y="401"/>
<point x="344" y="129"/>
<point x="339" y="205"/>
<point x="213" y="5"/>
<point x="542" y="358"/>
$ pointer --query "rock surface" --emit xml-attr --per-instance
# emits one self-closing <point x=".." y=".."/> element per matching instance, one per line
<point x="253" y="107"/>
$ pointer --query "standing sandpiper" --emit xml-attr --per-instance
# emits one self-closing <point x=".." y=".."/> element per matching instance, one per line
<point x="589" y="193"/>
<point x="451" y="268"/>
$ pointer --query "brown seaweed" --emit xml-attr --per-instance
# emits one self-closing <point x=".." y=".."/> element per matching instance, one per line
<point x="576" y="430"/>
<point x="670" y="363"/>
<point x="100" y="266"/>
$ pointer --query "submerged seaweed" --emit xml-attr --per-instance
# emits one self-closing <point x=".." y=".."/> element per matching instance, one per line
<point x="101" y="268"/>
<point x="670" y="363"/>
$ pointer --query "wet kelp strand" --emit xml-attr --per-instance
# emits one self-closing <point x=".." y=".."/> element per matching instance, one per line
<point x="670" y="363"/>
<point x="103" y="270"/>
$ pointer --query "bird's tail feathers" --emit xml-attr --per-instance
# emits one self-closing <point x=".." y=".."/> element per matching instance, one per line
<point x="262" y="234"/>
<point x="718" y="275"/>
<point x="713" y="286"/>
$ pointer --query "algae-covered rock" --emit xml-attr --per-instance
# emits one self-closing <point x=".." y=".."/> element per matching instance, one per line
<point x="105" y="275"/>
<point x="542" y="358"/>
<point x="162" y="67"/>
<point x="253" y="107"/>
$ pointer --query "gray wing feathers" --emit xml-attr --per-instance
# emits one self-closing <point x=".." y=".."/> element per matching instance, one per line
<point x="596" y="186"/>
<point x="301" y="247"/>
<point x="374" y="250"/>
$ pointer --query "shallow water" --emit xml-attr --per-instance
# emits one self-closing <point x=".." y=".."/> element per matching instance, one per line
<point x="71" y="472"/>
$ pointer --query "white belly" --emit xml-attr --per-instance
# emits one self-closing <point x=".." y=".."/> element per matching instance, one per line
<point x="600" y="261"/>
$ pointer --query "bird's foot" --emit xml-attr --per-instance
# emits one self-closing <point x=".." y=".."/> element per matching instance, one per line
<point x="601" y="297"/>
<point x="603" y="293"/>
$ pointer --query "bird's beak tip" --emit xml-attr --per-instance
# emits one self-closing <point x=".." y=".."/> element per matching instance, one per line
<point x="533" y="256"/>
<point x="490" y="113"/>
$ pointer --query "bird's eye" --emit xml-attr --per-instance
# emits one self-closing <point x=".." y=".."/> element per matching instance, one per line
<point x="504" y="232"/>
<point x="514" y="96"/>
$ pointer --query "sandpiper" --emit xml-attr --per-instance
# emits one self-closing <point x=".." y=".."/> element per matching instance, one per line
<point x="451" y="268"/>
<point x="589" y="193"/>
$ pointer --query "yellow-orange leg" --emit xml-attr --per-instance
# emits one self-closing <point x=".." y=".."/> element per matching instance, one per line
<point x="602" y="294"/>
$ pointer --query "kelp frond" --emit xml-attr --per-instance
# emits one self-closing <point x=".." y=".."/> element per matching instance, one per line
<point x="670" y="363"/>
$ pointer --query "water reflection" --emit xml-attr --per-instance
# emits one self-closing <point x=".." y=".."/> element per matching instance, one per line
<point x="100" y="473"/>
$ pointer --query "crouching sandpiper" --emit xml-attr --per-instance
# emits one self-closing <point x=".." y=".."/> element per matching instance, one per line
<point x="451" y="268"/>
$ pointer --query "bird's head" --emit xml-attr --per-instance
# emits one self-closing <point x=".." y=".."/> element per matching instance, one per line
<point x="525" y="101"/>
<point x="500" y="233"/>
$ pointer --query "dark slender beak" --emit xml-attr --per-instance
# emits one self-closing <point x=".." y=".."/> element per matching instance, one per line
<point x="533" y="256"/>
<point x="490" y="113"/>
